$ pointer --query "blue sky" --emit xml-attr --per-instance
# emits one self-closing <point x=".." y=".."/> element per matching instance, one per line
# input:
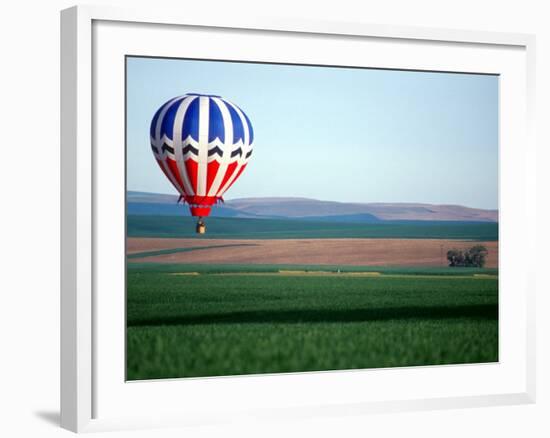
<point x="357" y="135"/>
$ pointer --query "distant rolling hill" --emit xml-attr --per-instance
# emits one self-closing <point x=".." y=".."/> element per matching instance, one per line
<point x="305" y="208"/>
<point x="146" y="204"/>
<point x="153" y="204"/>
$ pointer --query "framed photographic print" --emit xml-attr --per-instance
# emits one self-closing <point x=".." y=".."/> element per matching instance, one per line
<point x="280" y="219"/>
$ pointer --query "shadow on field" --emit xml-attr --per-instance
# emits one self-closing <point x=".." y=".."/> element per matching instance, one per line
<point x="477" y="312"/>
<point x="160" y="252"/>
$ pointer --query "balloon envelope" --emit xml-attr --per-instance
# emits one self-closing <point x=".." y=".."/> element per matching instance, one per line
<point x="202" y="143"/>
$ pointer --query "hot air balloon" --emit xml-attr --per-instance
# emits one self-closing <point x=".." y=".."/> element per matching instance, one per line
<point x="202" y="143"/>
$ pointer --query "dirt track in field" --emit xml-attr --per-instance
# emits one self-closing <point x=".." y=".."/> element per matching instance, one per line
<point x="356" y="252"/>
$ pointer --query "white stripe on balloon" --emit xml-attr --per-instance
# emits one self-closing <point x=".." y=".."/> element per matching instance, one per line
<point x="226" y="149"/>
<point x="204" y="121"/>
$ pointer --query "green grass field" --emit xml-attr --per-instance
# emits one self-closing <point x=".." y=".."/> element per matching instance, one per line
<point x="207" y="320"/>
<point x="238" y="228"/>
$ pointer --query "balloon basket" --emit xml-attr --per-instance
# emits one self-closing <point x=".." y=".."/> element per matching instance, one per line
<point x="201" y="227"/>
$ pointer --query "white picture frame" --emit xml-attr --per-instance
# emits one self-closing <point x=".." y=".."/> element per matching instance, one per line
<point x="92" y="393"/>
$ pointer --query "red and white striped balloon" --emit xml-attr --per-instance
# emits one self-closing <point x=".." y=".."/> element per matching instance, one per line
<point x="202" y="143"/>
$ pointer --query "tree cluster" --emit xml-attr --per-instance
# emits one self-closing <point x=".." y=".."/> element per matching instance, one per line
<point x="474" y="257"/>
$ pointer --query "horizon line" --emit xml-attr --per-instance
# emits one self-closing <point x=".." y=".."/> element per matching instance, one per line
<point x="326" y="200"/>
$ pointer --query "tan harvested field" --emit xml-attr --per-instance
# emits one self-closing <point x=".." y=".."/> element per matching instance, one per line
<point x="356" y="252"/>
